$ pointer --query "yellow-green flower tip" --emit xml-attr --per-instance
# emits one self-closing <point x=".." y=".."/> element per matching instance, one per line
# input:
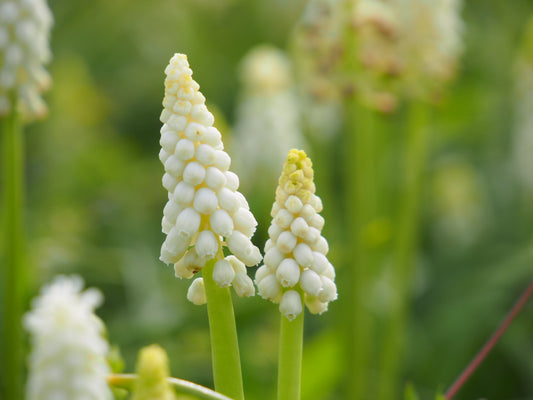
<point x="296" y="177"/>
<point x="152" y="368"/>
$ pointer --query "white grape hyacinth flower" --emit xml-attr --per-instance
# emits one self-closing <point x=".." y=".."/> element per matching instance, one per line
<point x="295" y="265"/>
<point x="24" y="49"/>
<point x="68" y="358"/>
<point x="205" y="210"/>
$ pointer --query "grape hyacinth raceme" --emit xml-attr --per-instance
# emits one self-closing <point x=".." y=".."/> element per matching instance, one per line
<point x="24" y="30"/>
<point x="68" y="360"/>
<point x="204" y="204"/>
<point x="295" y="262"/>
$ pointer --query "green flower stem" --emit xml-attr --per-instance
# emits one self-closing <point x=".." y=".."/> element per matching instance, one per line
<point x="127" y="382"/>
<point x="405" y="248"/>
<point x="290" y="358"/>
<point x="224" y="344"/>
<point x="13" y="269"/>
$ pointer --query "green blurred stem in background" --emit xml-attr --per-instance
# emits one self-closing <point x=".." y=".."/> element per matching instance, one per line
<point x="290" y="358"/>
<point x="406" y="241"/>
<point x="223" y="331"/>
<point x="360" y="170"/>
<point x="13" y="248"/>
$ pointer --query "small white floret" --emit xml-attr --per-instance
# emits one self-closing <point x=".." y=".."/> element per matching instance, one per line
<point x="205" y="154"/>
<point x="243" y="285"/>
<point x="236" y="264"/>
<point x="196" y="292"/>
<point x="269" y="287"/>
<point x="169" y="182"/>
<point x="310" y="282"/>
<point x="174" y="166"/>
<point x="232" y="181"/>
<point x="299" y="227"/>
<point x="227" y="200"/>
<point x="221" y="223"/>
<point x="303" y="255"/>
<point x="168" y="140"/>
<point x="214" y="178"/>
<point x="205" y="201"/>
<point x="188" y="222"/>
<point x="273" y="257"/>
<point x="184" y="149"/>
<point x="320" y="263"/>
<point x="286" y="242"/>
<point x="223" y="273"/>
<point x="222" y="160"/>
<point x="288" y="272"/>
<point x="194" y="173"/>
<point x="184" y="194"/>
<point x="329" y="290"/>
<point x="293" y="204"/>
<point x="194" y="131"/>
<point x="206" y="244"/>
<point x="212" y="137"/>
<point x="244" y="221"/>
<point x="291" y="304"/>
<point x="177" y="122"/>
<point x="283" y="218"/>
<point x="261" y="273"/>
<point x="315" y="306"/>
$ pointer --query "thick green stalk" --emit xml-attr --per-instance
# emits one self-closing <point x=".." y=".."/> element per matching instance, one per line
<point x="13" y="269"/>
<point x="127" y="382"/>
<point x="223" y="331"/>
<point x="405" y="248"/>
<point x="290" y="358"/>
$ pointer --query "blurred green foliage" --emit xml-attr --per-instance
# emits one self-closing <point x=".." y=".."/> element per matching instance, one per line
<point x="95" y="199"/>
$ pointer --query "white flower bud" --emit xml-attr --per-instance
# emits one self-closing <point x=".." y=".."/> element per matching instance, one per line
<point x="177" y="122"/>
<point x="232" y="181"/>
<point x="174" y="246"/>
<point x="243" y="285"/>
<point x="184" y="194"/>
<point x="171" y="211"/>
<point x="214" y="178"/>
<point x="223" y="273"/>
<point x="261" y="273"/>
<point x="227" y="200"/>
<point x="269" y="287"/>
<point x="243" y="248"/>
<point x="194" y="173"/>
<point x="315" y="306"/>
<point x="174" y="166"/>
<point x="168" y="140"/>
<point x="236" y="264"/>
<point x="317" y="221"/>
<point x="244" y="221"/>
<point x="290" y="304"/>
<point x="329" y="272"/>
<point x="275" y="209"/>
<point x="165" y="116"/>
<point x="205" y="201"/>
<point x="182" y="271"/>
<point x="299" y="227"/>
<point x="221" y="223"/>
<point x="288" y="272"/>
<point x="329" y="290"/>
<point x="194" y="131"/>
<point x="286" y="242"/>
<point x="312" y="235"/>
<point x="303" y="255"/>
<point x="310" y="282"/>
<point x="202" y="115"/>
<point x="169" y="182"/>
<point x="316" y="203"/>
<point x="166" y="225"/>
<point x="206" y="244"/>
<point x="222" y="160"/>
<point x="307" y="212"/>
<point x="205" y="154"/>
<point x="182" y="107"/>
<point x="184" y="149"/>
<point x="163" y="156"/>
<point x="283" y="218"/>
<point x="321" y="245"/>
<point x="188" y="222"/>
<point x="320" y="263"/>
<point x="196" y="292"/>
<point x="269" y="244"/>
<point x="274" y="231"/>
<point x="242" y="200"/>
<point x="273" y="257"/>
<point x="212" y="137"/>
<point x="293" y="204"/>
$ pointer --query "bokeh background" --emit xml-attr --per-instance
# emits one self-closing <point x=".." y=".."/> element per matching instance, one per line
<point x="95" y="198"/>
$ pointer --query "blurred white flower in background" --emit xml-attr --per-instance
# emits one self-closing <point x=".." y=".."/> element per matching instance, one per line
<point x="68" y="357"/>
<point x="268" y="116"/>
<point x="24" y="49"/>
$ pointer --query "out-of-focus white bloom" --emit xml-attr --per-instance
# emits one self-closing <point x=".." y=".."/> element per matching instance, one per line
<point x="204" y="205"/>
<point x="295" y="265"/>
<point x="24" y="49"/>
<point x="268" y="115"/>
<point x="68" y="360"/>
<point x="431" y="44"/>
<point x="523" y="133"/>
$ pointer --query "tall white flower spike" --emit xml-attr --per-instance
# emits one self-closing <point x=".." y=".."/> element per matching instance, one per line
<point x="24" y="49"/>
<point x="204" y="205"/>
<point x="68" y="360"/>
<point x="295" y="264"/>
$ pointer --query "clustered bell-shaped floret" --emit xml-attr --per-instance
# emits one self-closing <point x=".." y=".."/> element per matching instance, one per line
<point x="68" y="360"/>
<point x="295" y="264"/>
<point x="24" y="30"/>
<point x="204" y="205"/>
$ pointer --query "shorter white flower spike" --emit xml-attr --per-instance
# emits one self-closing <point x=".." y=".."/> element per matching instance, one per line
<point x="296" y="269"/>
<point x="68" y="360"/>
<point x="204" y="205"/>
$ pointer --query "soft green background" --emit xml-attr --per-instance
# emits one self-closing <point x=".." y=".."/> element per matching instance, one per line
<point x="95" y="199"/>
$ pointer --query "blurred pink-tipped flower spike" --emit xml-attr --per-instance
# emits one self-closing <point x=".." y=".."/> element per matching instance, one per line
<point x="68" y="359"/>
<point x="24" y="49"/>
<point x="205" y="210"/>
<point x="295" y="264"/>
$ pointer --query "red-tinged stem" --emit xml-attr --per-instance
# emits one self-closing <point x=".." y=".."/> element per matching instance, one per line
<point x="478" y="359"/>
